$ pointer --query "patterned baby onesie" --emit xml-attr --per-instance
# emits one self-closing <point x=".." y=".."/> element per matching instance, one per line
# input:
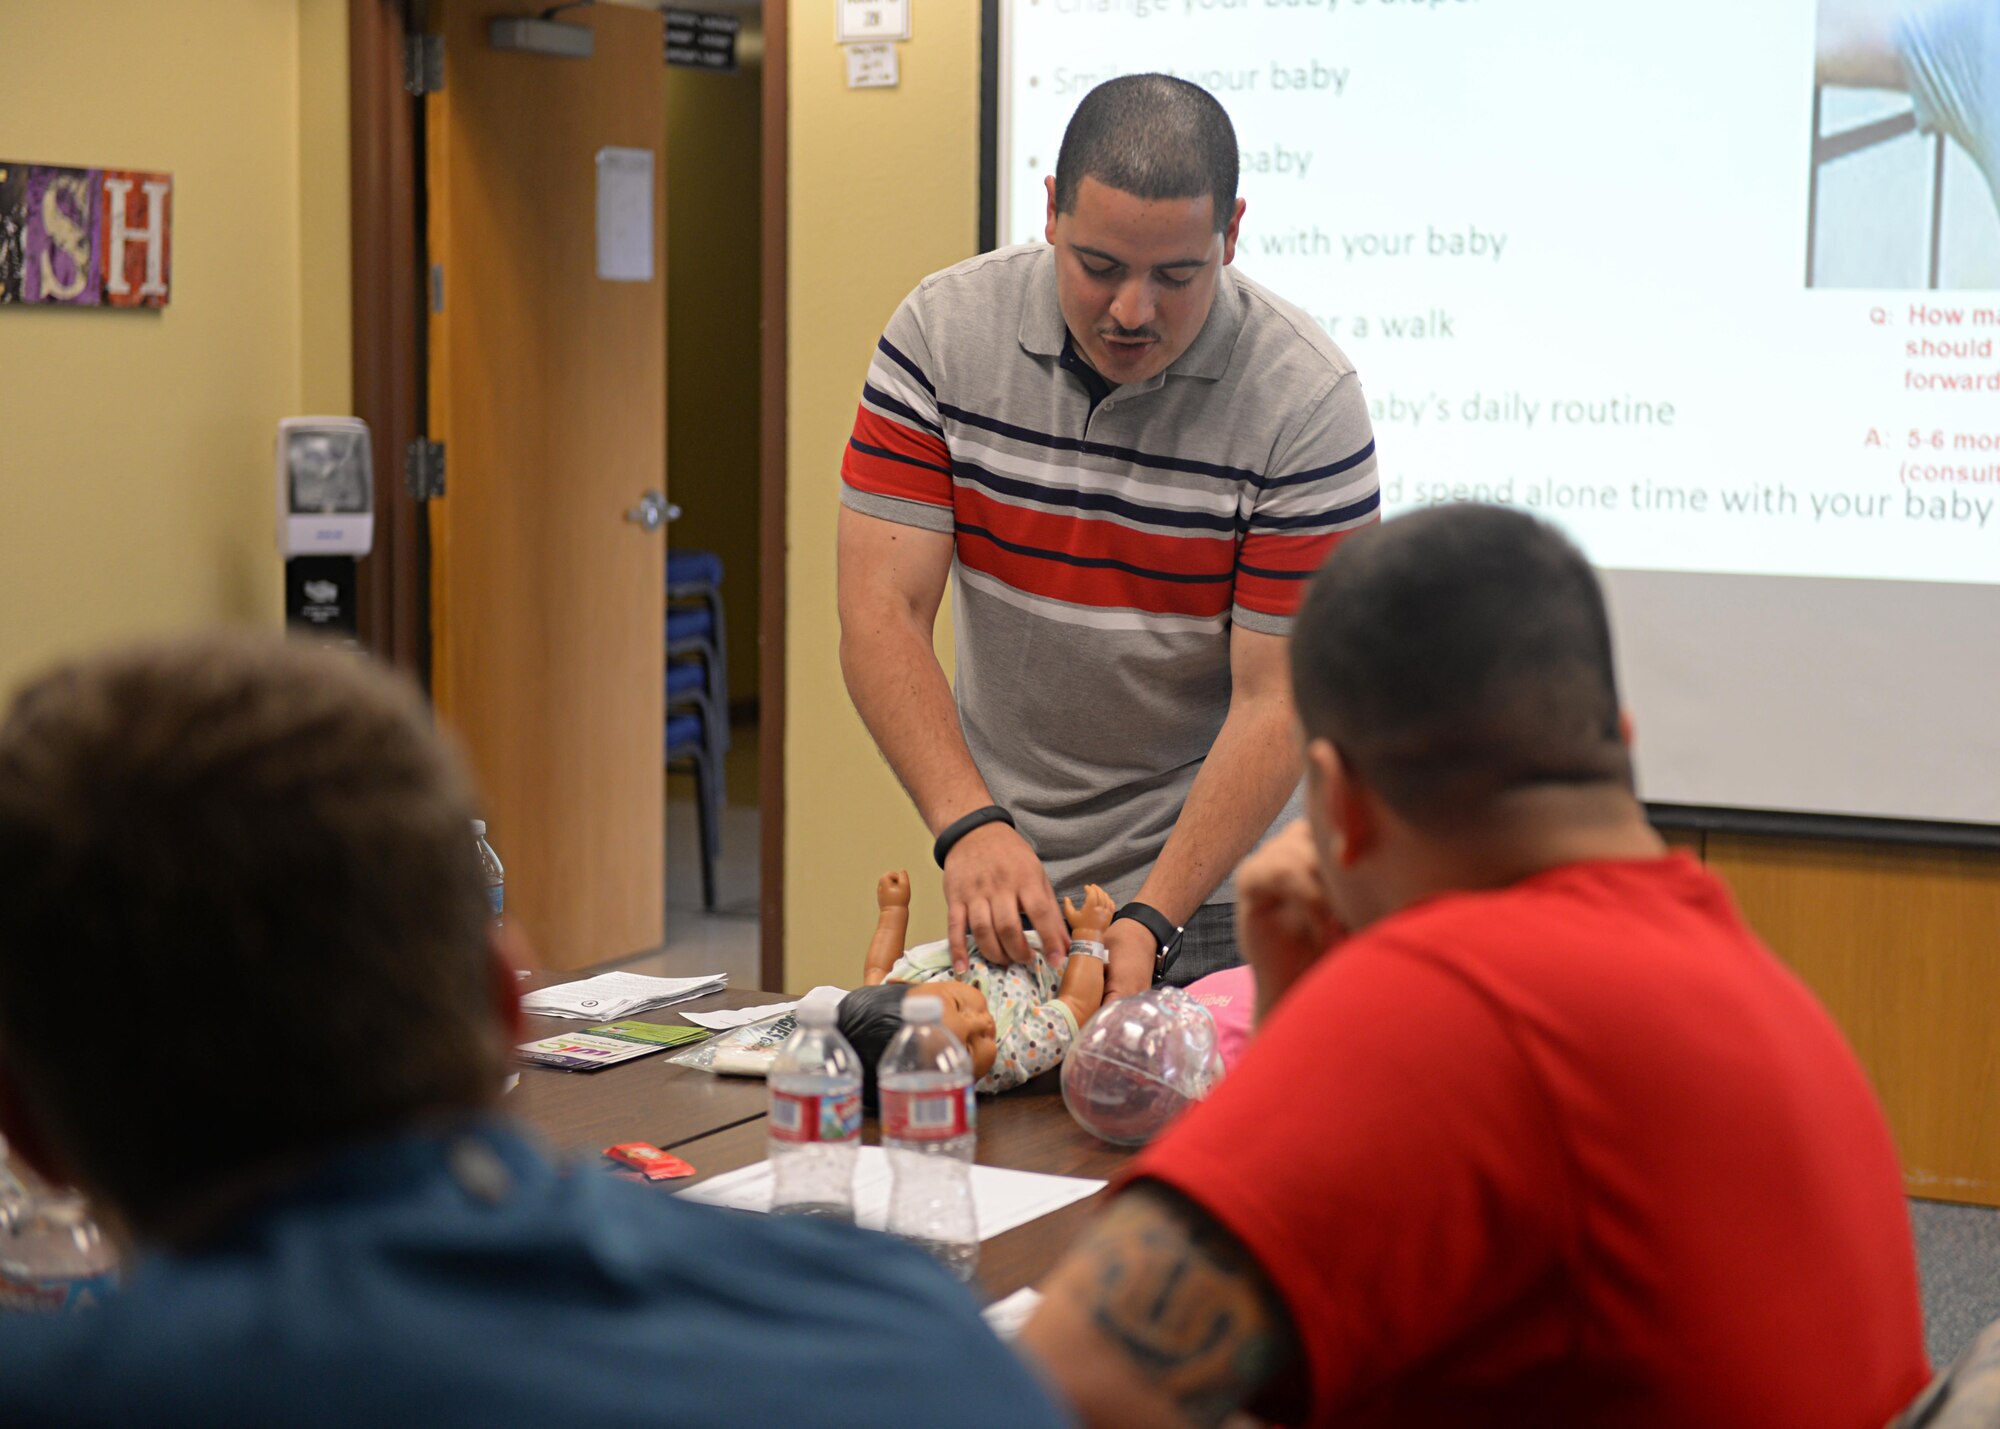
<point x="1033" y="1029"/>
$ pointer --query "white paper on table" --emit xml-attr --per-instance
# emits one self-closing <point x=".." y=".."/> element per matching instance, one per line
<point x="609" y="996"/>
<point x="1001" y="1199"/>
<point x="743" y="1016"/>
<point x="1007" y="1318"/>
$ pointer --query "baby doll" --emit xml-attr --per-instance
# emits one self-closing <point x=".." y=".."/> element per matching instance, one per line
<point x="1016" y="1019"/>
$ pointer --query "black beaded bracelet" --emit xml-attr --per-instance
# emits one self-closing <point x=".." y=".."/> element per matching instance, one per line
<point x="959" y="828"/>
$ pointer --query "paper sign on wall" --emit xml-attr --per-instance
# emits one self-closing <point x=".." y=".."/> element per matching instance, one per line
<point x="625" y="215"/>
<point x="871" y="66"/>
<point x="872" y="20"/>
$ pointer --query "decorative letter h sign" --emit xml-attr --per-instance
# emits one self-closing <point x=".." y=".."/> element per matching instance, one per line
<point x="85" y="237"/>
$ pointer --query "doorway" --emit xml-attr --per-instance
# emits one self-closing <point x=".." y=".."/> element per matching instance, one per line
<point x="715" y="427"/>
<point x="394" y="288"/>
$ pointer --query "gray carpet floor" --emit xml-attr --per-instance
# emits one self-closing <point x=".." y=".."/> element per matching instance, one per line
<point x="1958" y="1258"/>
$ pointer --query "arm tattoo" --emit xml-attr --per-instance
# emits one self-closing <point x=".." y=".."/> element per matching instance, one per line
<point x="1176" y="1294"/>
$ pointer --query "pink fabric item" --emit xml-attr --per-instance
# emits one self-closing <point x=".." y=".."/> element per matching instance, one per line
<point x="1231" y="999"/>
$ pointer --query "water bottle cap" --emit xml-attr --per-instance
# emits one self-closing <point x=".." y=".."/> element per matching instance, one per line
<point x="811" y="1013"/>
<point x="479" y="828"/>
<point x="923" y="1009"/>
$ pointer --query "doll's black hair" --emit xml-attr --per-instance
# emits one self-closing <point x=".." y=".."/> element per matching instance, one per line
<point x="868" y="1017"/>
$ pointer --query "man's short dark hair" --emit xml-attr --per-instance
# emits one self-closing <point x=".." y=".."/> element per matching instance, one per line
<point x="1459" y="654"/>
<point x="1151" y="136"/>
<point x="241" y="915"/>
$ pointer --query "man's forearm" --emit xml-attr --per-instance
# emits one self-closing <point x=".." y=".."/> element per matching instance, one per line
<point x="897" y="685"/>
<point x="1250" y="771"/>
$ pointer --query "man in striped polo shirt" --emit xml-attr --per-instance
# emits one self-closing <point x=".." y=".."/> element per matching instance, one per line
<point x="1132" y="458"/>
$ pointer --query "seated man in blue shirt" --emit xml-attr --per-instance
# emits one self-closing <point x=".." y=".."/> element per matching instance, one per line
<point x="249" y="1002"/>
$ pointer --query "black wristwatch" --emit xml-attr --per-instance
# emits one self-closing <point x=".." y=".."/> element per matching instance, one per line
<point x="1166" y="935"/>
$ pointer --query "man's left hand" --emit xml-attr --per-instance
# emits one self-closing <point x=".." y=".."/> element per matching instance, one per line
<point x="1132" y="952"/>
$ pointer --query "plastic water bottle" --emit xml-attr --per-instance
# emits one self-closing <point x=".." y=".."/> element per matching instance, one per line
<point x="53" y="1258"/>
<point x="13" y="1195"/>
<point x="815" y="1121"/>
<point x="928" y="1127"/>
<point x="489" y="864"/>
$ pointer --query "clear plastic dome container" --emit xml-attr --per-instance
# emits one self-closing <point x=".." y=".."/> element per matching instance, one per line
<point x="1138" y="1063"/>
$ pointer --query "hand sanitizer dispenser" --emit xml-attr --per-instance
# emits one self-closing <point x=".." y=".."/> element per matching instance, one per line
<point x="326" y="518"/>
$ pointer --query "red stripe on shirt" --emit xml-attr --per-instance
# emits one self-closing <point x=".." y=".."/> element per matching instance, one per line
<point x="1091" y="586"/>
<point x="879" y="431"/>
<point x="1271" y="552"/>
<point x="885" y="476"/>
<point x="1096" y="539"/>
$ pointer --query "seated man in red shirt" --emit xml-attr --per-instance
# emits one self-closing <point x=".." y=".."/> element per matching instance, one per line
<point x="1549" y="1138"/>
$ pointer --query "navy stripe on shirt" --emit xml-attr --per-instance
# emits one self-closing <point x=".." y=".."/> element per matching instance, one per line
<point x="1320" y="473"/>
<point x="1074" y="444"/>
<point x="1351" y="512"/>
<point x="888" y="455"/>
<point x="1139" y="458"/>
<point x="888" y="350"/>
<point x="1092" y="500"/>
<point x="1277" y="575"/>
<point x="877" y="397"/>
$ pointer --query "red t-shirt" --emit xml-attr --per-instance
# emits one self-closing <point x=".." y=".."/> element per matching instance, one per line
<point x="1578" y="1151"/>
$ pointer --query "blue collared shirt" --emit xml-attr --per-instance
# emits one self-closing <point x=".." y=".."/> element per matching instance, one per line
<point x="459" y="1278"/>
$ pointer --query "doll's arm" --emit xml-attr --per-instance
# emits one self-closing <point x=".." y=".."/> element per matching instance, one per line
<point x="1082" y="986"/>
<point x="1089" y="921"/>
<point x="892" y="925"/>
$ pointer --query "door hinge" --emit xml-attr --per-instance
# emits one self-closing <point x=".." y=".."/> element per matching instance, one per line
<point x="423" y="469"/>
<point x="437" y="287"/>
<point x="423" y="63"/>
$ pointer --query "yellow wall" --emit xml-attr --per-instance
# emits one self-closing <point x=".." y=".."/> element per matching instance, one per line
<point x="884" y="189"/>
<point x="714" y="344"/>
<point x="326" y="294"/>
<point x="136" y="448"/>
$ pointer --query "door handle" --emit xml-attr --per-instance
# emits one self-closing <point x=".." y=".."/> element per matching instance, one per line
<point x="651" y="512"/>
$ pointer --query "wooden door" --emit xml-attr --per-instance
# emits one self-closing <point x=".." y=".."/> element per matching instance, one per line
<point x="547" y="388"/>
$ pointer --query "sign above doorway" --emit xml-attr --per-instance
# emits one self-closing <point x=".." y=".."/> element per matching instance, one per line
<point x="697" y="40"/>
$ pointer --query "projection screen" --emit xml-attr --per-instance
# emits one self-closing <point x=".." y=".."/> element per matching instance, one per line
<point x="1716" y="290"/>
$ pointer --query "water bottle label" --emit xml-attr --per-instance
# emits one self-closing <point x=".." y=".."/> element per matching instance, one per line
<point x="808" y="1118"/>
<point x="927" y="1116"/>
<point x="496" y="898"/>
<point x="33" y="1296"/>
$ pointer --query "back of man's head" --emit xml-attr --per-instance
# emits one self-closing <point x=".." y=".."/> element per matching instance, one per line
<point x="241" y="915"/>
<point x="1154" y="137"/>
<point x="1458" y="655"/>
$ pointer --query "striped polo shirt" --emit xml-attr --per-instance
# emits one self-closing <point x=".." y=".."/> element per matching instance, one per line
<point x="1106" y="539"/>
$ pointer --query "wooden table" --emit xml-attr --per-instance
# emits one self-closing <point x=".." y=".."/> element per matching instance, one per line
<point x="648" y="1100"/>
<point x="717" y="1124"/>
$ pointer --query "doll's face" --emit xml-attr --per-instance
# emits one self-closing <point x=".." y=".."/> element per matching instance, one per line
<point x="969" y="1018"/>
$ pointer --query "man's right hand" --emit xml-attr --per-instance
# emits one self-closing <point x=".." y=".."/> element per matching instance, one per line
<point x="992" y="884"/>
<point x="1284" y="920"/>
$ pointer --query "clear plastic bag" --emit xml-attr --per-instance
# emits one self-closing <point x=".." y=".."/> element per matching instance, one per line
<point x="760" y="1040"/>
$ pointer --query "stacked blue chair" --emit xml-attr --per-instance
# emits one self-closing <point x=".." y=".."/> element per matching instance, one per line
<point x="697" y="732"/>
